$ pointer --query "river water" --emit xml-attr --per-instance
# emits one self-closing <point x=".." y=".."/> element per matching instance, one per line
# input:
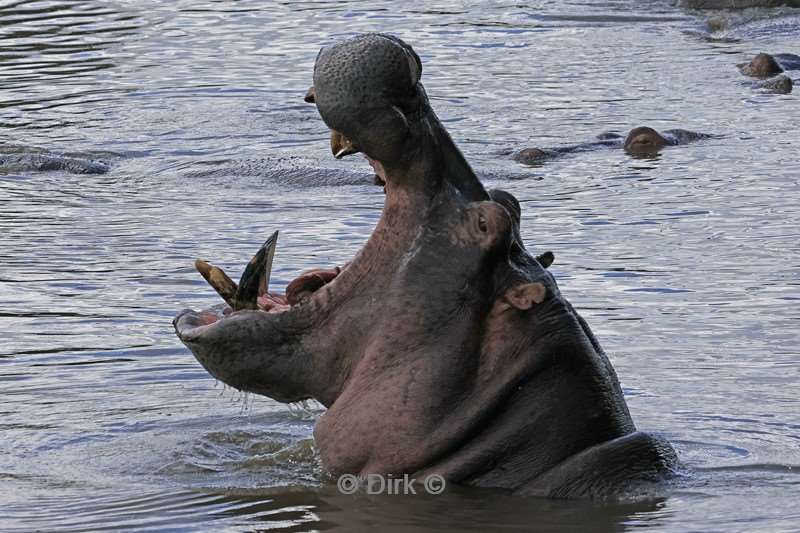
<point x="686" y="265"/>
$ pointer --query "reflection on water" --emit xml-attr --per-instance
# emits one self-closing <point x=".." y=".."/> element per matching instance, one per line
<point x="685" y="264"/>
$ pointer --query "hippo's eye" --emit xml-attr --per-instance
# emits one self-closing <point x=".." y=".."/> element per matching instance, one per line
<point x="482" y="224"/>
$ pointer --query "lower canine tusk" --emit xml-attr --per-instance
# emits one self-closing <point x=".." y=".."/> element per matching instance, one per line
<point x="219" y="281"/>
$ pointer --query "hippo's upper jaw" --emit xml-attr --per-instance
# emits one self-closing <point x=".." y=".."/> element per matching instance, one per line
<point x="443" y="346"/>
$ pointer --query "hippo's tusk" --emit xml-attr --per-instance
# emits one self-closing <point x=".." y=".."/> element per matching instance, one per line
<point x="254" y="281"/>
<point x="220" y="281"/>
<point x="271" y="243"/>
<point x="311" y="96"/>
<point x="341" y="145"/>
<point x="255" y="278"/>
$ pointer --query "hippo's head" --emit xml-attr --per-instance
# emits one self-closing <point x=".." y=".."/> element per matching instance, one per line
<point x="644" y="141"/>
<point x="443" y="346"/>
<point x="531" y="156"/>
<point x="761" y="66"/>
<point x="367" y="89"/>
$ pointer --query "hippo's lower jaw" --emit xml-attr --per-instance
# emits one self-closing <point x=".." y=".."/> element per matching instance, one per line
<point x="443" y="346"/>
<point x="258" y="345"/>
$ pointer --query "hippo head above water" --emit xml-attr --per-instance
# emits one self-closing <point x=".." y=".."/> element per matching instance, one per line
<point x="443" y="347"/>
<point x="644" y="141"/>
<point x="761" y="66"/>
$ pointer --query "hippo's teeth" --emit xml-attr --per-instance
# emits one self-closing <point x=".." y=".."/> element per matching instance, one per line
<point x="341" y="145"/>
<point x="311" y="95"/>
<point x="255" y="278"/>
<point x="220" y="281"/>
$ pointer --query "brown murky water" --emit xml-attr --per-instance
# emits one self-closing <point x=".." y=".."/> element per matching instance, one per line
<point x="686" y="265"/>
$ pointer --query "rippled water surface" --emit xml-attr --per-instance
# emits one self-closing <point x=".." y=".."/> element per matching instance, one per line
<point x="686" y="265"/>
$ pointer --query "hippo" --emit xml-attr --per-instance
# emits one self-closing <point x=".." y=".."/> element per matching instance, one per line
<point x="641" y="140"/>
<point x="443" y="347"/>
<point x="770" y="71"/>
<point x="18" y="159"/>
<point x="761" y="66"/>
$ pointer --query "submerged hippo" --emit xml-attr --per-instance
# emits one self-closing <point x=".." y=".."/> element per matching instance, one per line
<point x="639" y="141"/>
<point x="443" y="347"/>
<point x="761" y="66"/>
<point x="22" y="159"/>
<point x="770" y="71"/>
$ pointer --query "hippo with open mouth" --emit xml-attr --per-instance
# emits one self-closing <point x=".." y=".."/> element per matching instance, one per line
<point x="443" y="347"/>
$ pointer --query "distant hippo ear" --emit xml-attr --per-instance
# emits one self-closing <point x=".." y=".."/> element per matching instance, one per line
<point x="311" y="96"/>
<point x="523" y="297"/>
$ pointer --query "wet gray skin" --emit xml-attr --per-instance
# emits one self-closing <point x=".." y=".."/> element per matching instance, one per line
<point x="781" y="84"/>
<point x="443" y="347"/>
<point x="17" y="159"/>
<point x="640" y="141"/>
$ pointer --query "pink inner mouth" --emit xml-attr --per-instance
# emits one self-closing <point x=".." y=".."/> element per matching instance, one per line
<point x="273" y="303"/>
<point x="380" y="173"/>
<point x="298" y="290"/>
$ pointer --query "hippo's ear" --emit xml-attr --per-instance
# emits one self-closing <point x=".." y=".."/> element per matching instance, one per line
<point x="546" y="259"/>
<point x="311" y="96"/>
<point x="523" y="297"/>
